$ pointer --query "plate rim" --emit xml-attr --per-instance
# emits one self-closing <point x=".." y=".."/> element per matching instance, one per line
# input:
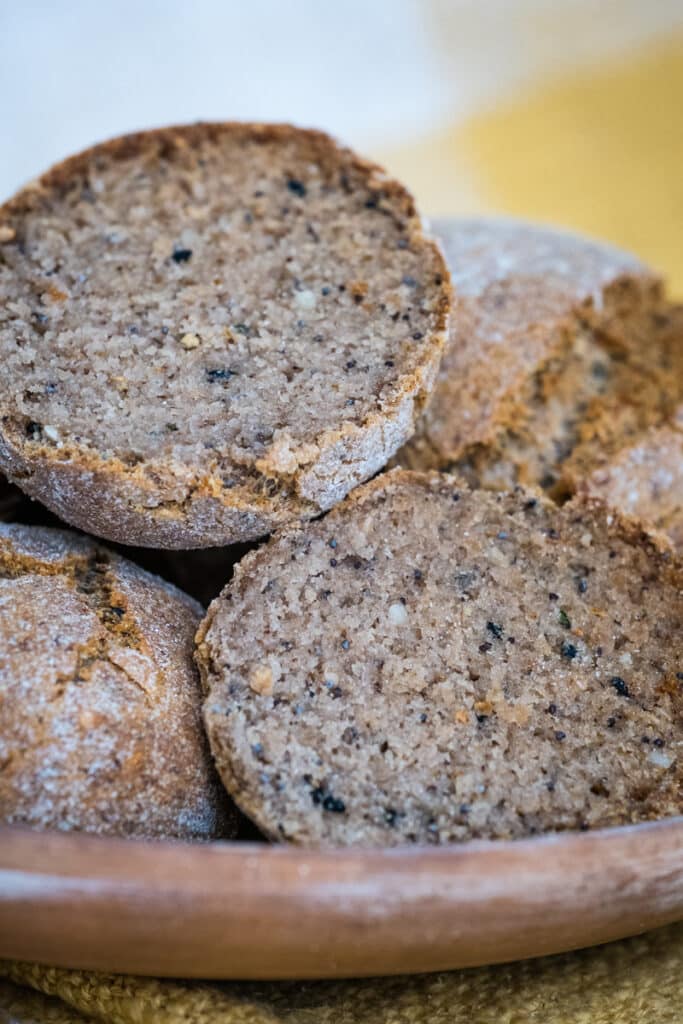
<point x="253" y="910"/>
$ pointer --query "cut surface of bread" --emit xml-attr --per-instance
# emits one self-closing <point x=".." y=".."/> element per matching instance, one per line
<point x="100" y="722"/>
<point x="211" y="330"/>
<point x="432" y="664"/>
<point x="548" y="329"/>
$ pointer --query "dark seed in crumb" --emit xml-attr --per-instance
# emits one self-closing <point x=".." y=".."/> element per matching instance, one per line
<point x="296" y="187"/>
<point x="568" y="650"/>
<point x="658" y="741"/>
<point x="531" y="503"/>
<point x="332" y="543"/>
<point x="333" y="563"/>
<point x="350" y="364"/>
<point x="611" y="722"/>
<point x="495" y="629"/>
<point x="345" y="645"/>
<point x="390" y="816"/>
<point x="564" y="619"/>
<point x="325" y="290"/>
<point x="214" y="375"/>
<point x="552" y="709"/>
<point x="417" y="335"/>
<point x="417" y="575"/>
<point x="334" y="804"/>
<point x="182" y="255"/>
<point x="620" y="686"/>
<point x="388" y="362"/>
<point x="486" y="646"/>
<point x="559" y="735"/>
<point x="423" y="717"/>
<point x="553" y="597"/>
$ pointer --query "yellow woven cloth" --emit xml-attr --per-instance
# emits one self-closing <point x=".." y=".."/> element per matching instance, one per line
<point x="636" y="980"/>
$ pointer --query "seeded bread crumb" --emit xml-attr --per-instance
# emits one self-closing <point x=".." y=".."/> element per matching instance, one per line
<point x="431" y="664"/>
<point x="209" y="331"/>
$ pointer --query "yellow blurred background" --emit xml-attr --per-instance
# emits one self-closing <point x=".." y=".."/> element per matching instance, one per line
<point x="599" y="150"/>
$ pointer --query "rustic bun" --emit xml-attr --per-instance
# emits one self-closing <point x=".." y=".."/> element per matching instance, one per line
<point x="432" y="664"/>
<point x="212" y="330"/>
<point x="100" y="726"/>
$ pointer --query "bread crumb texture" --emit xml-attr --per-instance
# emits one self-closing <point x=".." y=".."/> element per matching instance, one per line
<point x="100" y="724"/>
<point x="211" y="330"/>
<point x="432" y="664"/>
<point x="559" y="346"/>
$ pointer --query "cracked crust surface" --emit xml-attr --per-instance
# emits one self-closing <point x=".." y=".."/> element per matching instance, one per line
<point x="548" y="329"/>
<point x="211" y="330"/>
<point x="432" y="664"/>
<point x="100" y="725"/>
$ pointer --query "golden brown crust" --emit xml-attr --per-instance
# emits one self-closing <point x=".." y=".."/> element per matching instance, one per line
<point x="164" y="504"/>
<point x="100" y="728"/>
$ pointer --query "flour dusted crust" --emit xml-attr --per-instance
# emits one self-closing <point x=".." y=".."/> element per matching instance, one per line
<point x="212" y="330"/>
<point x="432" y="664"/>
<point x="645" y="479"/>
<point x="548" y="327"/>
<point x="100" y="725"/>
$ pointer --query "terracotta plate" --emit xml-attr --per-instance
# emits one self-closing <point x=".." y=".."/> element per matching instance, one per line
<point x="254" y="911"/>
